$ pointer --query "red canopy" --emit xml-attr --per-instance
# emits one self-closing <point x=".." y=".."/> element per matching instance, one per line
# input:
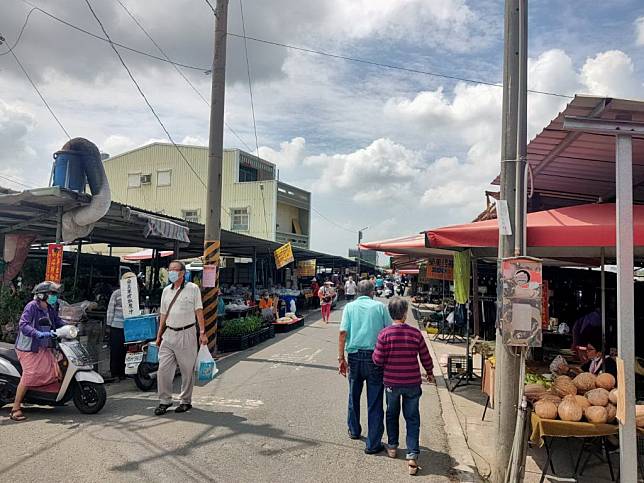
<point x="146" y="255"/>
<point x="406" y="245"/>
<point x="575" y="226"/>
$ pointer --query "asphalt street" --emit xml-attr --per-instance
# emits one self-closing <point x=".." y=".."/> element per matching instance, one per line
<point x="275" y="413"/>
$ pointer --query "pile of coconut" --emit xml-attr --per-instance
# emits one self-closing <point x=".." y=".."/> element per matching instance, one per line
<point x="589" y="397"/>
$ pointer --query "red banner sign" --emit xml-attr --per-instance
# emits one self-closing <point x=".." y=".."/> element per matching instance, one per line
<point x="54" y="269"/>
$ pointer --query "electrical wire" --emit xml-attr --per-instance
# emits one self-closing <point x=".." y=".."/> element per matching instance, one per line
<point x="333" y="222"/>
<point x="24" y="25"/>
<point x="176" y="67"/>
<point x="250" y="83"/>
<point x="138" y="87"/>
<point x="6" y="178"/>
<point x="211" y="7"/>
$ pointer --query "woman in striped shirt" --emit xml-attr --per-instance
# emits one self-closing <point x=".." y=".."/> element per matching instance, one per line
<point x="398" y="349"/>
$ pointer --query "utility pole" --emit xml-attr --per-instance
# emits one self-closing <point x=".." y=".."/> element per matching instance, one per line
<point x="359" y="250"/>
<point x="507" y="363"/>
<point x="212" y="235"/>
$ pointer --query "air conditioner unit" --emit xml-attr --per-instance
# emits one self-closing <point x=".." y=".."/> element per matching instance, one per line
<point x="146" y="178"/>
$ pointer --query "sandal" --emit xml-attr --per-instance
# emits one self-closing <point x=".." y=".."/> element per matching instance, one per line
<point x="161" y="409"/>
<point x="413" y="467"/>
<point x="13" y="415"/>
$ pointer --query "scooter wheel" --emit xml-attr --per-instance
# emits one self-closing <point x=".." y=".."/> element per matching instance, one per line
<point x="89" y="397"/>
<point x="142" y="378"/>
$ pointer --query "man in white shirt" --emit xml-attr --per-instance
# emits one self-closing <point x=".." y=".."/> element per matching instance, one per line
<point x="350" y="289"/>
<point x="177" y="337"/>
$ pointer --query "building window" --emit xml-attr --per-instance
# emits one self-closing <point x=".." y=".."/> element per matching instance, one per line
<point x="191" y="215"/>
<point x="246" y="173"/>
<point x="240" y="219"/>
<point x="134" y="180"/>
<point x="164" y="178"/>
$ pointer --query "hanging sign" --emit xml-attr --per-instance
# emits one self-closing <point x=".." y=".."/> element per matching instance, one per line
<point x="306" y="268"/>
<point x="440" y="268"/>
<point x="54" y="270"/>
<point x="520" y="301"/>
<point x="503" y="217"/>
<point x="130" y="295"/>
<point x="284" y="255"/>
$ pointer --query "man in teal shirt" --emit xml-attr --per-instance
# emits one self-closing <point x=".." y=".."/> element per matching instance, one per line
<point x="362" y="321"/>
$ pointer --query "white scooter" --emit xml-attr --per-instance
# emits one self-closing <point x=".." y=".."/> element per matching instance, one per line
<point x="80" y="382"/>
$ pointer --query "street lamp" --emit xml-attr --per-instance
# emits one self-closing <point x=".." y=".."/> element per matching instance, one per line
<point x="360" y="241"/>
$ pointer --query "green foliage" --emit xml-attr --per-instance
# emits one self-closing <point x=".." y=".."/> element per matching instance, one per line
<point x="241" y="326"/>
<point x="11" y="307"/>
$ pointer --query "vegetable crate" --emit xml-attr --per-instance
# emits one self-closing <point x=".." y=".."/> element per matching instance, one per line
<point x="238" y="343"/>
<point x="457" y="365"/>
<point x="282" y="327"/>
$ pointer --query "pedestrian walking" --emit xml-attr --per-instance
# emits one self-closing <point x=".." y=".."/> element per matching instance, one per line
<point x="180" y="306"/>
<point x="326" y="295"/>
<point x="315" y="288"/>
<point x="397" y="351"/>
<point x="350" y="289"/>
<point x="362" y="321"/>
<point x="114" y="320"/>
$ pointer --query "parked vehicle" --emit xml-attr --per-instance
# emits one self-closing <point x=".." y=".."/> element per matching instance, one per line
<point x="80" y="382"/>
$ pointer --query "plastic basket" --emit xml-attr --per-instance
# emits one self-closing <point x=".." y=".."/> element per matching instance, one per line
<point x="143" y="327"/>
<point x="456" y="365"/>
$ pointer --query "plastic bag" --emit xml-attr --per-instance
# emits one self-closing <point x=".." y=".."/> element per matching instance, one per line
<point x="205" y="367"/>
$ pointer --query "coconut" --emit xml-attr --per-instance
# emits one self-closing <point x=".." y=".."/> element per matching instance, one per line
<point x="582" y="401"/>
<point x="563" y="386"/>
<point x="605" y="381"/>
<point x="569" y="410"/>
<point x="533" y="392"/>
<point x="553" y="398"/>
<point x="545" y="409"/>
<point x="584" y="382"/>
<point x="611" y="410"/>
<point x="596" y="414"/>
<point x="598" y="397"/>
<point x="612" y="396"/>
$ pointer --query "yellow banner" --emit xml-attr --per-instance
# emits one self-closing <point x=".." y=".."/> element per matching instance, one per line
<point x="306" y="268"/>
<point x="284" y="255"/>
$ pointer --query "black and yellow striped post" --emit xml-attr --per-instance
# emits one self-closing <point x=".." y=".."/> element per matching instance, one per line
<point x="210" y="295"/>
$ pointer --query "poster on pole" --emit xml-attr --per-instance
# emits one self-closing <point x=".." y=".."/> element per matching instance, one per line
<point x="54" y="269"/>
<point x="306" y="268"/>
<point x="284" y="255"/>
<point x="439" y="268"/>
<point x="209" y="276"/>
<point x="520" y="301"/>
<point x="130" y="295"/>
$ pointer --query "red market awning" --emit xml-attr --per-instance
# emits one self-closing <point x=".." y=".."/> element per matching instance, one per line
<point x="409" y="271"/>
<point x="590" y="225"/>
<point x="406" y="245"/>
<point x="146" y="255"/>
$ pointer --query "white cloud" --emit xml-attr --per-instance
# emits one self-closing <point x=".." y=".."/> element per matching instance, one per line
<point x="117" y="144"/>
<point x="639" y="31"/>
<point x="290" y="154"/>
<point x="611" y="73"/>
<point x="17" y="156"/>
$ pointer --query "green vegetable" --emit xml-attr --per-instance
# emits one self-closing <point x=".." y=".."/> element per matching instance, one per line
<point x="531" y="378"/>
<point x="240" y="327"/>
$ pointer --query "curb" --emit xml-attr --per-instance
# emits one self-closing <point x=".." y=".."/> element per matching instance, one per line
<point x="465" y="469"/>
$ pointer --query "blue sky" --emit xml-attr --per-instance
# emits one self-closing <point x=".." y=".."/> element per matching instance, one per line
<point x="396" y="151"/>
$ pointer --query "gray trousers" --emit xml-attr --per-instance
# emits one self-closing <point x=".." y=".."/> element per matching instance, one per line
<point x="177" y="348"/>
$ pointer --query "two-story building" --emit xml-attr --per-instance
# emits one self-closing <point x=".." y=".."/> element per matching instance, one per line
<point x="155" y="177"/>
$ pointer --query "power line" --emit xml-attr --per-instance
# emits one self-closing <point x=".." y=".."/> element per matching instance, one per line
<point x="176" y="67"/>
<point x="211" y="7"/>
<point x="6" y="178"/>
<point x="250" y="84"/>
<point x="33" y="84"/>
<point x="24" y="25"/>
<point x="89" y="5"/>
<point x="333" y="222"/>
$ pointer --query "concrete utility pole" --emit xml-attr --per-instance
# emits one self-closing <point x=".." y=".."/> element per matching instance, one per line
<point x="506" y="388"/>
<point x="212" y="235"/>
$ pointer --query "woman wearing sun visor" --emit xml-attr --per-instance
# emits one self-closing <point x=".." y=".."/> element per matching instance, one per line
<point x="39" y="367"/>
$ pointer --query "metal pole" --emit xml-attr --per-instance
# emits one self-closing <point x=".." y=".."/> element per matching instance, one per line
<point x="476" y="308"/>
<point x="603" y="300"/>
<point x="59" y="225"/>
<point x="359" y="254"/>
<point x="254" y="273"/>
<point x="508" y="364"/>
<point x="626" y="304"/>
<point x="79" y="249"/>
<point x="212" y="235"/>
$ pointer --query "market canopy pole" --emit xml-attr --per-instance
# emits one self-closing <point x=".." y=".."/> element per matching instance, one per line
<point x="507" y="364"/>
<point x="212" y="235"/>
<point x="623" y="131"/>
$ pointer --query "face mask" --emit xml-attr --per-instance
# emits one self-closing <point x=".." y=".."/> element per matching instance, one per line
<point x="52" y="299"/>
<point x="173" y="276"/>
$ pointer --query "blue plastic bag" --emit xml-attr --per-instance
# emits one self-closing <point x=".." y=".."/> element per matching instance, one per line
<point x="205" y="367"/>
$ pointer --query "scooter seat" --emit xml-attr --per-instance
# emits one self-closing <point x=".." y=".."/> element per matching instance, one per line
<point x="8" y="352"/>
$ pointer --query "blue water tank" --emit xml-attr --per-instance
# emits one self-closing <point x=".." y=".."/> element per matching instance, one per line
<point x="68" y="171"/>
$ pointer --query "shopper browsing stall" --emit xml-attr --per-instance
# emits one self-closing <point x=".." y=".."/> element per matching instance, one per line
<point x="326" y="295"/>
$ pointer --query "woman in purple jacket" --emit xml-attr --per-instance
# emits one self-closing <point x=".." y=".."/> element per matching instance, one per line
<point x="39" y="367"/>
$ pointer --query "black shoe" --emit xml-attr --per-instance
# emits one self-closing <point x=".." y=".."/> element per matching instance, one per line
<point x="378" y="449"/>
<point x="352" y="436"/>
<point x="161" y="409"/>
<point x="182" y="408"/>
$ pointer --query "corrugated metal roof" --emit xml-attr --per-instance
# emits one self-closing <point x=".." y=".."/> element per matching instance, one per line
<point x="571" y="167"/>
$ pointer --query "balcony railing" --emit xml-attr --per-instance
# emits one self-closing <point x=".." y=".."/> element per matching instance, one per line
<point x="296" y="240"/>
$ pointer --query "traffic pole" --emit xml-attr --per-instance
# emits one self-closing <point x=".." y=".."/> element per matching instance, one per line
<point x="506" y="390"/>
<point x="212" y="234"/>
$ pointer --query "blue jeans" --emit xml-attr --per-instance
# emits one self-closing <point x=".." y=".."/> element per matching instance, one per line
<point x="410" y="400"/>
<point x="361" y="370"/>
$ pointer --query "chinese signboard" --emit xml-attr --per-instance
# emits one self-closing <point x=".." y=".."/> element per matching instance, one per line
<point x="130" y="295"/>
<point x="520" y="301"/>
<point x="306" y="268"/>
<point x="437" y="268"/>
<point x="284" y="255"/>
<point x="54" y="270"/>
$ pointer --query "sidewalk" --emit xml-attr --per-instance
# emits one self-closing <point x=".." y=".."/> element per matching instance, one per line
<point x="468" y="402"/>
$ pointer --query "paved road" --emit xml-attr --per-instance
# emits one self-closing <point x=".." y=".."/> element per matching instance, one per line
<point x="276" y="413"/>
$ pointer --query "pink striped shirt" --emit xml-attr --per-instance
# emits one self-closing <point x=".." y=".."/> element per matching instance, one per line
<point x="398" y="348"/>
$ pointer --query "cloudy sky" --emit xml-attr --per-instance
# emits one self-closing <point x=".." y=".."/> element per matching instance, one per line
<point x="392" y="150"/>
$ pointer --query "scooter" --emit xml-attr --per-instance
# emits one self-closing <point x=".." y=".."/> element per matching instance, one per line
<point x="80" y="382"/>
<point x="141" y="361"/>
